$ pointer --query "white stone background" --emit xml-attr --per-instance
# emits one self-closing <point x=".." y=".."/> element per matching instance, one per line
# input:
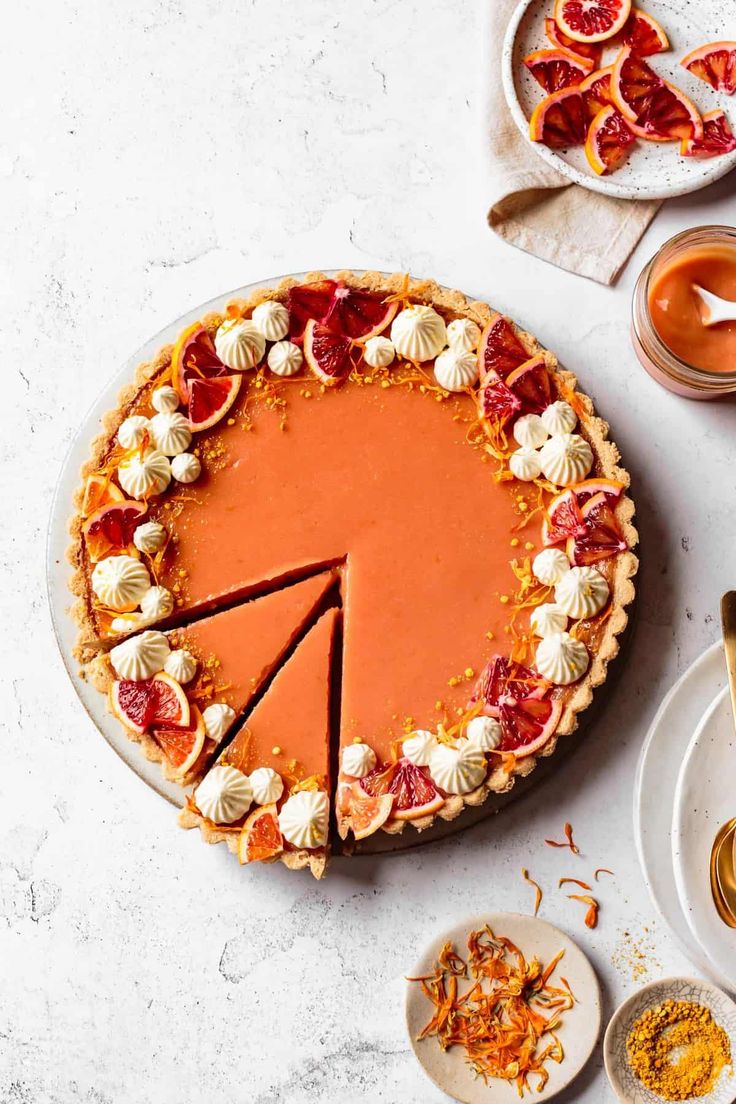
<point x="153" y="155"/>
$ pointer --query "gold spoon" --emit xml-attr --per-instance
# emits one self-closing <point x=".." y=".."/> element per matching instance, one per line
<point x="723" y="853"/>
<point x="722" y="877"/>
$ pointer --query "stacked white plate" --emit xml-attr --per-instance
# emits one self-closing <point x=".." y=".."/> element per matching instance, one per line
<point x="685" y="790"/>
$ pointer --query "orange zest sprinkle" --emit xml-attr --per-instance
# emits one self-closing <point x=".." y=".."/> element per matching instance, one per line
<point x="591" y="916"/>
<point x="568" y="842"/>
<point x="505" y="1014"/>
<point x="537" y="888"/>
<point x="573" y="881"/>
<point x="603" y="870"/>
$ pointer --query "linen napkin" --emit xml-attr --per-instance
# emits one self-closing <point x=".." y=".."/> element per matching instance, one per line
<point x="535" y="207"/>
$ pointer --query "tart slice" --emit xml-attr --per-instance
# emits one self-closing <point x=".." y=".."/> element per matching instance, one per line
<point x="212" y="671"/>
<point x="268" y="794"/>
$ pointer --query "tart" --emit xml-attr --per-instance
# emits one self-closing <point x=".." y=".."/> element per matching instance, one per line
<point x="418" y="453"/>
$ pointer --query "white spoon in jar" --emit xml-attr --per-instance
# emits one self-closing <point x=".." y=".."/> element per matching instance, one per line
<point x="718" y="310"/>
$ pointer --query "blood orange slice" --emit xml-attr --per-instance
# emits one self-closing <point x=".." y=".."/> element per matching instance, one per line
<point x="182" y="744"/>
<point x="99" y="490"/>
<point x="555" y="69"/>
<point x="644" y="34"/>
<point x="591" y="20"/>
<point x="717" y="137"/>
<point x="608" y="142"/>
<point x="261" y="839"/>
<point x="652" y="108"/>
<point x="530" y="383"/>
<point x="210" y="400"/>
<point x="589" y="50"/>
<point x="327" y="353"/>
<point x="156" y="701"/>
<point x="602" y="538"/>
<point x="110" y="528"/>
<point x="527" y="724"/>
<point x="364" y="813"/>
<point x="496" y="401"/>
<point x="348" y="311"/>
<point x="194" y="357"/>
<point x="500" y="350"/>
<point x="563" y="519"/>
<point x="612" y="488"/>
<point x="559" y="120"/>
<point x="714" y="63"/>
<point x="501" y="677"/>
<point x="596" y="91"/>
<point x="415" y="794"/>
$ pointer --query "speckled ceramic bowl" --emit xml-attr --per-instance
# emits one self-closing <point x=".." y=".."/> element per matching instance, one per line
<point x="654" y="170"/>
<point x="624" y="1083"/>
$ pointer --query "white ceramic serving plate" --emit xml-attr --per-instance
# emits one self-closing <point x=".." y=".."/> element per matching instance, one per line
<point x="627" y="1087"/>
<point x="704" y="800"/>
<point x="654" y="791"/>
<point x="578" y="1033"/>
<point x="654" y="170"/>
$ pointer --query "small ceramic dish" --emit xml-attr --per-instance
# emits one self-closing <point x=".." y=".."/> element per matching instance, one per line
<point x="578" y="1031"/>
<point x="654" y="170"/>
<point x="627" y="1087"/>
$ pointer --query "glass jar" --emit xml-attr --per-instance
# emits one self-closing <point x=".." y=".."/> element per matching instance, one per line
<point x="657" y="358"/>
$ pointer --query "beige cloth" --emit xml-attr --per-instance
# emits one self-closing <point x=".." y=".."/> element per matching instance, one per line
<point x="536" y="208"/>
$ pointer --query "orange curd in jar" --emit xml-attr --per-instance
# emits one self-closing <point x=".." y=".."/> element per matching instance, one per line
<point x="670" y="334"/>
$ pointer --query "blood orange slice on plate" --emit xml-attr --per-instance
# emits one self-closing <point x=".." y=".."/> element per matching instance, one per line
<point x="348" y="311"/>
<point x="596" y="91"/>
<point x="559" y="120"/>
<point x="555" y="69"/>
<point x="652" y="107"/>
<point x="714" y="63"/>
<point x="591" y="20"/>
<point x="612" y="488"/>
<point x="717" y="137"/>
<point x="110" y="528"/>
<point x="563" y="519"/>
<point x="644" y="34"/>
<point x="261" y="839"/>
<point x="496" y="401"/>
<point x="210" y="400"/>
<point x="156" y="701"/>
<point x="415" y="794"/>
<point x="327" y="353"/>
<point x="182" y="744"/>
<point x="589" y="50"/>
<point x="501" y="677"/>
<point x="500" y="350"/>
<point x="609" y="140"/>
<point x="602" y="538"/>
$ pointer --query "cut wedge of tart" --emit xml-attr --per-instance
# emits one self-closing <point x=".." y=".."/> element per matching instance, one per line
<point x="232" y="653"/>
<point x="282" y="756"/>
<point x="453" y="452"/>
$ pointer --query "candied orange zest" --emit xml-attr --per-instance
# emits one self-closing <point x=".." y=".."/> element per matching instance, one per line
<point x="568" y="842"/>
<point x="537" y="888"/>
<point x="591" y="916"/>
<point x="573" y="881"/>
<point x="505" y="1021"/>
<point x="603" y="870"/>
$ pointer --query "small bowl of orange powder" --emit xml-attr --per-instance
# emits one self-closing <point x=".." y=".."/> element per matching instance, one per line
<point x="669" y="330"/>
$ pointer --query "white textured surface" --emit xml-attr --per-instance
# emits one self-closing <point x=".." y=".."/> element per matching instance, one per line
<point x="153" y="155"/>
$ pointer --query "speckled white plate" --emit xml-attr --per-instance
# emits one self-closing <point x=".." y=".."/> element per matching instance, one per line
<point x="625" y="1084"/>
<point x="654" y="791"/>
<point x="578" y="1032"/>
<point x="654" y="170"/>
<point x="704" y="800"/>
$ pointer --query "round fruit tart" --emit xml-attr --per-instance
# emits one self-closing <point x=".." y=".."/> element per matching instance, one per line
<point x="348" y="556"/>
